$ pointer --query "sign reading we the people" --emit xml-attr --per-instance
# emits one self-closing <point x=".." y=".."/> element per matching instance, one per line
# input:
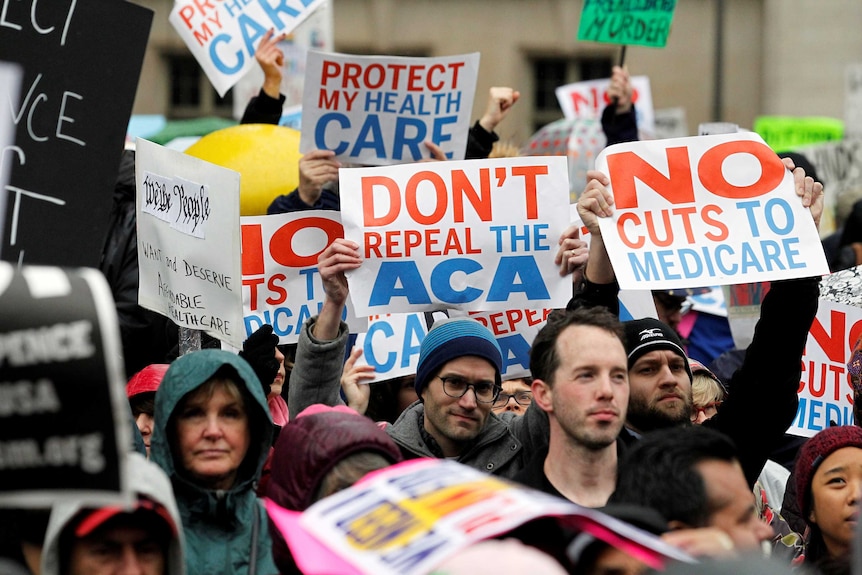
<point x="79" y="61"/>
<point x="189" y="241"/>
<point x="281" y="285"/>
<point x="472" y="235"/>
<point x="641" y="22"/>
<point x="223" y="36"/>
<point x="63" y="408"/>
<point x="379" y="110"/>
<point x="705" y="210"/>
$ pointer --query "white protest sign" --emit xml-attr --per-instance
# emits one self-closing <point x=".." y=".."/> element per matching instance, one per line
<point x="826" y="394"/>
<point x="379" y="110"/>
<point x="223" y="36"/>
<point x="391" y="344"/>
<point x="588" y="99"/>
<point x="472" y="235"/>
<point x="705" y="210"/>
<point x="10" y="78"/>
<point x="189" y="241"/>
<point x="280" y="282"/>
<point x="411" y="516"/>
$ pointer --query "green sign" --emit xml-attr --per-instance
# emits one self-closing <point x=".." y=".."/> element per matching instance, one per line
<point x="784" y="133"/>
<point x="640" y="22"/>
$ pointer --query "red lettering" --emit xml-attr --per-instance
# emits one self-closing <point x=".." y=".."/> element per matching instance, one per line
<point x="530" y="173"/>
<point x="685" y="213"/>
<point x="412" y="239"/>
<point x="723" y="232"/>
<point x="435" y="68"/>
<point x="668" y="229"/>
<point x="514" y="316"/>
<point x="481" y="202"/>
<point x="252" y="284"/>
<point x="831" y="343"/>
<point x="186" y="13"/>
<point x="412" y="197"/>
<point x="414" y="78"/>
<point x="251" y="246"/>
<point x="677" y="188"/>
<point x="621" y="230"/>
<point x="372" y="244"/>
<point x="276" y="288"/>
<point x="381" y="76"/>
<point x="368" y="184"/>
<point x="711" y="175"/>
<point x="330" y="70"/>
<point x="281" y="243"/>
<point x="456" y="67"/>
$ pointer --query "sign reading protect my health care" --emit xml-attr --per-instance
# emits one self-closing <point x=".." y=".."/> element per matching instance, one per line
<point x="706" y="210"/>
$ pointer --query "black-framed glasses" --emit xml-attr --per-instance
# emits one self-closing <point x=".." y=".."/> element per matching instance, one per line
<point x="523" y="398"/>
<point x="485" y="391"/>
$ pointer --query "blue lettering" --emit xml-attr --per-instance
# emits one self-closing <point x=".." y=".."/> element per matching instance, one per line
<point x="648" y="271"/>
<point x="792" y="253"/>
<point x="788" y="216"/>
<point x="246" y="25"/>
<point x="441" y="277"/>
<point x="771" y="254"/>
<point x="523" y="268"/>
<point x="724" y="249"/>
<point x="216" y="59"/>
<point x="696" y="268"/>
<point x="388" y="278"/>
<point x="414" y="332"/>
<point x="437" y="135"/>
<point x="749" y="259"/>
<point x="320" y="132"/>
<point x="401" y="139"/>
<point x="368" y="347"/>
<point x="666" y="265"/>
<point x="814" y="414"/>
<point x="370" y="126"/>
<point x="516" y="351"/>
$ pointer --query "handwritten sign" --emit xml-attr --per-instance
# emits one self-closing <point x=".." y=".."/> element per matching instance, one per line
<point x="378" y="110"/>
<point x="705" y="210"/>
<point x="589" y="98"/>
<point x="472" y="235"/>
<point x="189" y="246"/>
<point x="644" y="23"/>
<point x="280" y="282"/>
<point x="10" y="76"/>
<point x="784" y="133"/>
<point x="80" y="61"/>
<point x="411" y="516"/>
<point x="63" y="409"/>
<point x="391" y="344"/>
<point x="825" y="391"/>
<point x="223" y="36"/>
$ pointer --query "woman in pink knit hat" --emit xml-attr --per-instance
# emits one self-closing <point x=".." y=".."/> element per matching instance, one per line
<point x="141" y="391"/>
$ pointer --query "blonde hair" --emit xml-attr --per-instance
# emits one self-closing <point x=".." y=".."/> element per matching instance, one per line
<point x="705" y="390"/>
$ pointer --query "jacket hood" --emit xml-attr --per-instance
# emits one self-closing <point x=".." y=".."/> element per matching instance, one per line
<point x="186" y="374"/>
<point x="146" y="479"/>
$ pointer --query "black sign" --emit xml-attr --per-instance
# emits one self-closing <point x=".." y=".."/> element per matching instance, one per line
<point x="81" y="60"/>
<point x="62" y="400"/>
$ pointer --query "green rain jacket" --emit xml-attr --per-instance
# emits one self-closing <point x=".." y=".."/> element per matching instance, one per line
<point x="224" y="530"/>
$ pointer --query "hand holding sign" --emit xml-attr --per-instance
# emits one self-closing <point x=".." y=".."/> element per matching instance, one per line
<point x="810" y="191"/>
<point x="354" y="381"/>
<point x="340" y="256"/>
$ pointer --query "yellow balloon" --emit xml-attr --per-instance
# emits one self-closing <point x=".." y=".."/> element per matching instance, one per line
<point x="265" y="155"/>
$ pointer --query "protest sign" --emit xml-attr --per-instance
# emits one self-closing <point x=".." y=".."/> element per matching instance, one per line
<point x="280" y="282"/>
<point x="825" y="391"/>
<point x="391" y="344"/>
<point x="670" y="123"/>
<point x="705" y="210"/>
<point x="378" y="110"/>
<point x="10" y="77"/>
<point x="785" y="133"/>
<point x="588" y="99"/>
<point x="63" y="409"/>
<point x="839" y="168"/>
<point x="472" y="235"/>
<point x="409" y="517"/>
<point x="644" y="23"/>
<point x="189" y="241"/>
<point x="223" y="36"/>
<point x="80" y="63"/>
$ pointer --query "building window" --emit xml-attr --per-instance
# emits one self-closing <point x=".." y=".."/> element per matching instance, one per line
<point x="191" y="94"/>
<point x="550" y="73"/>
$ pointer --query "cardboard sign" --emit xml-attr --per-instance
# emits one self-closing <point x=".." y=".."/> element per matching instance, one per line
<point x="64" y="416"/>
<point x="825" y="391"/>
<point x="280" y="282"/>
<point x="411" y="516"/>
<point x="706" y="210"/>
<point x="80" y="60"/>
<point x="392" y="343"/>
<point x="618" y="22"/>
<point x="223" y="36"/>
<point x="189" y="241"/>
<point x="784" y="133"/>
<point x="588" y="99"/>
<point x="472" y="235"/>
<point x="378" y="110"/>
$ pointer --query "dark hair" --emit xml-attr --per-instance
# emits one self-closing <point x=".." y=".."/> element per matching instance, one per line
<point x="143" y="403"/>
<point x="659" y="471"/>
<point x="544" y="359"/>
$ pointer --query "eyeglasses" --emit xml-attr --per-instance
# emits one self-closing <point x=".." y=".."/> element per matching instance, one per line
<point x="708" y="410"/>
<point x="485" y="391"/>
<point x="524" y="398"/>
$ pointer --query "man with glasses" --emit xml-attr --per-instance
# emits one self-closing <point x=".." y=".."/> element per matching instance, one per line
<point x="515" y="396"/>
<point x="457" y="381"/>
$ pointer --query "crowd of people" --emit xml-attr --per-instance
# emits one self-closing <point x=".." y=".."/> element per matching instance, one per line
<point x="615" y="416"/>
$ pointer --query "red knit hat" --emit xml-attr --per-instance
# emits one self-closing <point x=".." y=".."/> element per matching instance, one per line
<point x="148" y="379"/>
<point x="814" y="452"/>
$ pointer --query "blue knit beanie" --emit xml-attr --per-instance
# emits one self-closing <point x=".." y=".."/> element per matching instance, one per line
<point x="452" y="338"/>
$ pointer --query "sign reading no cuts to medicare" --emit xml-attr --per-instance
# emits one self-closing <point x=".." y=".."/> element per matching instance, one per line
<point x="472" y="235"/>
<point x="705" y="210"/>
<point x="380" y="110"/>
<point x="223" y="34"/>
<point x="189" y="241"/>
<point x="281" y="285"/>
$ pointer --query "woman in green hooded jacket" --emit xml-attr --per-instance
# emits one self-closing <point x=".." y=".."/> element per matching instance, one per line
<point x="212" y="433"/>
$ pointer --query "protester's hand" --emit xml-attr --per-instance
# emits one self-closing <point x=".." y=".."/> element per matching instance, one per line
<point x="259" y="351"/>
<point x="620" y="89"/>
<point x="595" y="201"/>
<point x="811" y="192"/>
<point x="356" y="393"/>
<point x="500" y="101"/>
<point x="437" y="153"/>
<point x="271" y="60"/>
<point x="572" y="253"/>
<point x="702" y="542"/>
<point x="340" y="256"/>
<point x="316" y="168"/>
